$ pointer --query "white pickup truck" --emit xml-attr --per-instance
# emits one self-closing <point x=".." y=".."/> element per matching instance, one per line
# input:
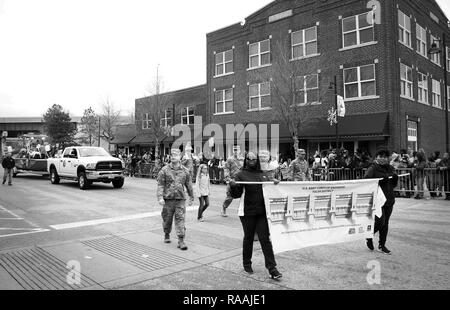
<point x="86" y="165"/>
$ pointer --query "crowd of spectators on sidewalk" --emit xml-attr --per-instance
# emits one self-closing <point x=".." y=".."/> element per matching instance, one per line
<point x="430" y="170"/>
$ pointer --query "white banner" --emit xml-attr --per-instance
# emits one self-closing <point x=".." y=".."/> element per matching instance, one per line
<point x="341" y="106"/>
<point x="303" y="214"/>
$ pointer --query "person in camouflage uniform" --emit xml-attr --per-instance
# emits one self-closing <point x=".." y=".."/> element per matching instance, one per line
<point x="173" y="179"/>
<point x="232" y="166"/>
<point x="299" y="168"/>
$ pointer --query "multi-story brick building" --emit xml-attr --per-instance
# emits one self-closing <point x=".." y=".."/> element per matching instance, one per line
<point x="378" y="51"/>
<point x="187" y="103"/>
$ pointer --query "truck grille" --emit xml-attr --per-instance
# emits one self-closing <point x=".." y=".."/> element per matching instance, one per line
<point x="109" y="166"/>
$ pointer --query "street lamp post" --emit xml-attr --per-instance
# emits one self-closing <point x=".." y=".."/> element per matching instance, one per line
<point x="436" y="50"/>
<point x="334" y="85"/>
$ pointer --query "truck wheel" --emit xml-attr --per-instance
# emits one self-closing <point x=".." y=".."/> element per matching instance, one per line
<point x="118" y="183"/>
<point x="54" y="177"/>
<point x="83" y="182"/>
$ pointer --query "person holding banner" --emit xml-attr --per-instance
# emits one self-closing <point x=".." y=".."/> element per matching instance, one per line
<point x="252" y="213"/>
<point x="381" y="169"/>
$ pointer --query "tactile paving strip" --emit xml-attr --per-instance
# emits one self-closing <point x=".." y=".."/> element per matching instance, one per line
<point x="36" y="269"/>
<point x="135" y="254"/>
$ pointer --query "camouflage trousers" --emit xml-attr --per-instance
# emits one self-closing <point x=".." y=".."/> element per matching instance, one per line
<point x="173" y="208"/>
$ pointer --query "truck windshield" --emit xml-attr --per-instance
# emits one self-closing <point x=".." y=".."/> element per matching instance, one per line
<point x="89" y="152"/>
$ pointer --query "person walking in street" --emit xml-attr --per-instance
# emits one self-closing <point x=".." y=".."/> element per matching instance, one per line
<point x="173" y="180"/>
<point x="252" y="214"/>
<point x="8" y="164"/>
<point x="202" y="190"/>
<point x="444" y="168"/>
<point x="383" y="170"/>
<point x="299" y="168"/>
<point x="232" y="167"/>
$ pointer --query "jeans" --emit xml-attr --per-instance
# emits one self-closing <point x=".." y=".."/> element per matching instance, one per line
<point x="7" y="174"/>
<point x="257" y="223"/>
<point x="204" y="204"/>
<point x="382" y="223"/>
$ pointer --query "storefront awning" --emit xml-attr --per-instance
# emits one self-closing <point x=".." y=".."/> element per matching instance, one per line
<point x="124" y="134"/>
<point x="364" y="125"/>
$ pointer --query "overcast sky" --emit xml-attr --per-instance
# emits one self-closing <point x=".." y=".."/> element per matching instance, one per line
<point x="78" y="52"/>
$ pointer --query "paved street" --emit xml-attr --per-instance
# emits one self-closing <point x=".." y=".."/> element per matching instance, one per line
<point x="116" y="237"/>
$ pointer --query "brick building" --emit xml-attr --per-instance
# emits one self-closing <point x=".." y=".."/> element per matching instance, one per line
<point x="378" y="51"/>
<point x="187" y="103"/>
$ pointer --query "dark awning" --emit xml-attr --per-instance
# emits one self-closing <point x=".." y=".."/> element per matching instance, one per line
<point x="364" y="125"/>
<point x="124" y="134"/>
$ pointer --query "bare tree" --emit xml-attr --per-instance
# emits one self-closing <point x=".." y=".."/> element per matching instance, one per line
<point x="161" y="118"/>
<point x="108" y="121"/>
<point x="295" y="87"/>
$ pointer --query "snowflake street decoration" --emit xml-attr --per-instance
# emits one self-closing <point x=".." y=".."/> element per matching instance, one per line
<point x="332" y="116"/>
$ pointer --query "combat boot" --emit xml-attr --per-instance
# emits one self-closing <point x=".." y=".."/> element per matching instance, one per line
<point x="167" y="238"/>
<point x="181" y="244"/>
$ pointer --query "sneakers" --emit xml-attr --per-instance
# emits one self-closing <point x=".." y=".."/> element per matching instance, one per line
<point x="181" y="245"/>
<point x="384" y="250"/>
<point x="167" y="238"/>
<point x="369" y="243"/>
<point x="248" y="269"/>
<point x="275" y="274"/>
<point x="201" y="219"/>
<point x="224" y="212"/>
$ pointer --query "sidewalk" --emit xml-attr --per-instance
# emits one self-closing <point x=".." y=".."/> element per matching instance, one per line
<point x="419" y="238"/>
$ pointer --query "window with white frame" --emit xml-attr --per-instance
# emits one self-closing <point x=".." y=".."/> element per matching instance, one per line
<point x="187" y="116"/>
<point x="307" y="89"/>
<point x="404" y="28"/>
<point x="448" y="59"/>
<point x="412" y="135"/>
<point x="437" y="102"/>
<point x="421" y="40"/>
<point x="436" y="58"/>
<point x="304" y="42"/>
<point x="224" y="101"/>
<point x="358" y="29"/>
<point x="406" y="81"/>
<point x="146" y="121"/>
<point x="422" y="85"/>
<point x="259" y="54"/>
<point x="259" y="96"/>
<point x="224" y="62"/>
<point x="167" y="119"/>
<point x="359" y="82"/>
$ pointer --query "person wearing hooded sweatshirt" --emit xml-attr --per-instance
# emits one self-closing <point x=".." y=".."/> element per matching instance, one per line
<point x="381" y="169"/>
<point x="253" y="214"/>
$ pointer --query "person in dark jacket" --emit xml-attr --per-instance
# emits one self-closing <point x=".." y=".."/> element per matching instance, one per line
<point x="383" y="170"/>
<point x="8" y="164"/>
<point x="253" y="217"/>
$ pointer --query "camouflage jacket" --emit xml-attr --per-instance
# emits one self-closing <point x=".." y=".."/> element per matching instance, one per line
<point x="232" y="167"/>
<point x="173" y="181"/>
<point x="299" y="170"/>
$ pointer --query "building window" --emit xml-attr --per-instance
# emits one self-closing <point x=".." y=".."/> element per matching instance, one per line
<point x="359" y="82"/>
<point x="406" y="81"/>
<point x="307" y="89"/>
<point x="421" y="35"/>
<point x="259" y="96"/>
<point x="412" y="135"/>
<point x="437" y="102"/>
<point x="304" y="42"/>
<point x="224" y="101"/>
<point x="358" y="29"/>
<point x="404" y="28"/>
<point x="224" y="63"/>
<point x="448" y="99"/>
<point x="146" y="121"/>
<point x="436" y="58"/>
<point x="422" y="85"/>
<point x="187" y="116"/>
<point x="448" y="59"/>
<point x="259" y="54"/>
<point x="167" y="119"/>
